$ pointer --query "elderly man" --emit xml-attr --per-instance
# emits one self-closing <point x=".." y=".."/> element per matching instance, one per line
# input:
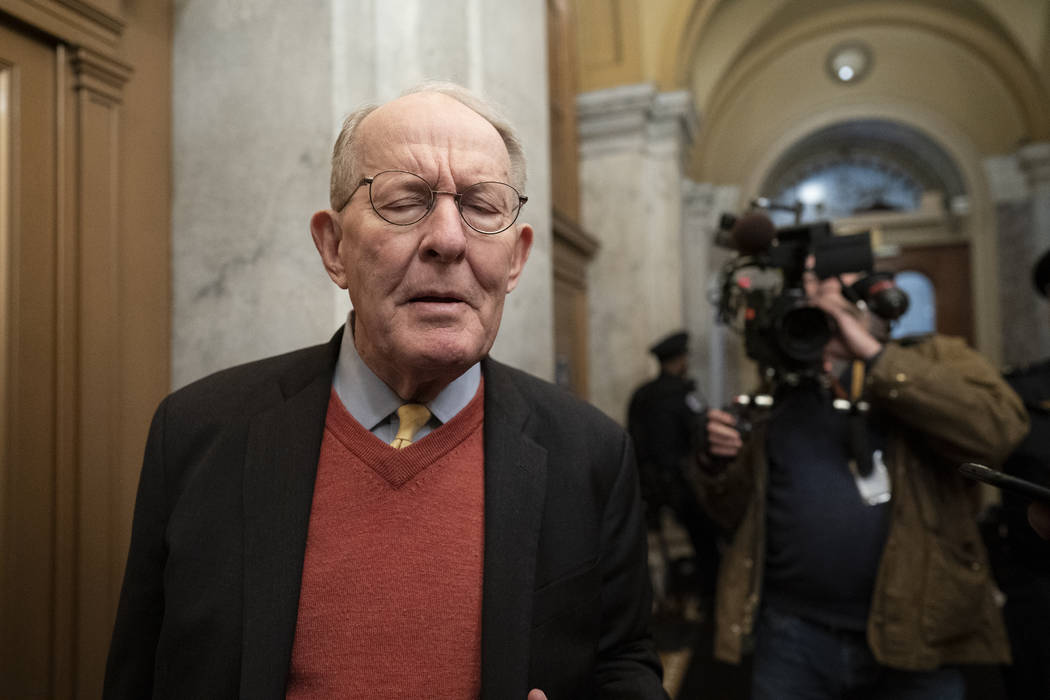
<point x="393" y="514"/>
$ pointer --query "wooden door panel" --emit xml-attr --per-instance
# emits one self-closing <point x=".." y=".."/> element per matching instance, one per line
<point x="79" y="244"/>
<point x="27" y="493"/>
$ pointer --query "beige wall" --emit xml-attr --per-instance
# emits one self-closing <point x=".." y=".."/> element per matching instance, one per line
<point x="760" y="99"/>
<point x="667" y="42"/>
<point x="972" y="76"/>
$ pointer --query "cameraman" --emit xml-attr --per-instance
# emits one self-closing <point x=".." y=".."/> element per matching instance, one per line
<point x="847" y="584"/>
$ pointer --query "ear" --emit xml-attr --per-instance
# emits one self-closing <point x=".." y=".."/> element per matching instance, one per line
<point x="522" y="246"/>
<point x="328" y="235"/>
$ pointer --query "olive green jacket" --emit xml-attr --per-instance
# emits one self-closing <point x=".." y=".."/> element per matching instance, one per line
<point x="934" y="600"/>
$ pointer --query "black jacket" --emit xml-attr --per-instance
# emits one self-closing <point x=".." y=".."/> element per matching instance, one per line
<point x="664" y="429"/>
<point x="209" y="603"/>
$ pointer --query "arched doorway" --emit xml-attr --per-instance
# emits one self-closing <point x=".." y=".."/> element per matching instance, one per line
<point x="894" y="180"/>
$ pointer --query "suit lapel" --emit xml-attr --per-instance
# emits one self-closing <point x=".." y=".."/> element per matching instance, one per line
<point x="280" y="465"/>
<point x="515" y="482"/>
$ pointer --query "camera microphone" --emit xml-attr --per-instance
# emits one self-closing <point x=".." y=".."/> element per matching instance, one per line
<point x="753" y="233"/>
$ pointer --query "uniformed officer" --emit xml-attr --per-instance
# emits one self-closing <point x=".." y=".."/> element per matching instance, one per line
<point x="663" y="419"/>
<point x="1023" y="562"/>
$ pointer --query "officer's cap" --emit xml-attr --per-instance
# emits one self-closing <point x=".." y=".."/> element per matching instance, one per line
<point x="671" y="346"/>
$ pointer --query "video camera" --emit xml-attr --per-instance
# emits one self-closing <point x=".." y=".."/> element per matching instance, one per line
<point x="783" y="332"/>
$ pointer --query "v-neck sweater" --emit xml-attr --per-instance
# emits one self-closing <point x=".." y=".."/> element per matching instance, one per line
<point x="390" y="601"/>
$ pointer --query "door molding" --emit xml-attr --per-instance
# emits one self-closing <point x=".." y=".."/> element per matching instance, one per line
<point x="75" y="22"/>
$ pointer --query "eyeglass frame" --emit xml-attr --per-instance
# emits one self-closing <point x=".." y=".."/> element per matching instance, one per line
<point x="456" y="196"/>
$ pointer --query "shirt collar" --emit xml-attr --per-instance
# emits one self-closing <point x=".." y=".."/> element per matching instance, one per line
<point x="370" y="401"/>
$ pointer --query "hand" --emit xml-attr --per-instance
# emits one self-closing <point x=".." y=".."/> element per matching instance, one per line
<point x="723" y="439"/>
<point x="537" y="694"/>
<point x="855" y="340"/>
<point x="1038" y="518"/>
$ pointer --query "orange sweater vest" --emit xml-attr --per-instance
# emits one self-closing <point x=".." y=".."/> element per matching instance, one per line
<point x="390" y="604"/>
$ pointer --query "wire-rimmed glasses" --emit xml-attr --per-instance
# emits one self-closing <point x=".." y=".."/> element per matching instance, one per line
<point x="403" y="198"/>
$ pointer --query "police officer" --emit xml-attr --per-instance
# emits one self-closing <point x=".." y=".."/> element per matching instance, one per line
<point x="663" y="419"/>
<point x="1023" y="564"/>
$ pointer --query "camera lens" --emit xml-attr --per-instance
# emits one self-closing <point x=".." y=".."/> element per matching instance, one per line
<point x="802" y="332"/>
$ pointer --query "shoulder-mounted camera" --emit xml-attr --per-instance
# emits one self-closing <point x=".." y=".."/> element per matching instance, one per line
<point x="762" y="293"/>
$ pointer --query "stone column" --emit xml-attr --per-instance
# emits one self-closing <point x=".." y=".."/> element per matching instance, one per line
<point x="260" y="91"/>
<point x="632" y="145"/>
<point x="1020" y="184"/>
<point x="1034" y="160"/>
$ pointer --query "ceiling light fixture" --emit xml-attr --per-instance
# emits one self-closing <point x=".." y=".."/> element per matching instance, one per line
<point x="849" y="62"/>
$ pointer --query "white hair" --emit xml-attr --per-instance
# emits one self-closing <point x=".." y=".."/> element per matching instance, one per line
<point x="345" y="166"/>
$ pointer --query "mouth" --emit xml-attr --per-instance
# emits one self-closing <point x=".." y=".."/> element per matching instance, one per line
<point x="437" y="303"/>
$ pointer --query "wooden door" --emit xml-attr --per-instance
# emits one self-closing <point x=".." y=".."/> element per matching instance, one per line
<point x="62" y="379"/>
<point x="84" y="320"/>
<point x="947" y="267"/>
<point x="29" y="378"/>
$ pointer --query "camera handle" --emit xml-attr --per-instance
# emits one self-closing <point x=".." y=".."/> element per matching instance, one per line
<point x="859" y="444"/>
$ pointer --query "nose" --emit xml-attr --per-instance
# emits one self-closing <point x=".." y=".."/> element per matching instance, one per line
<point x="444" y="232"/>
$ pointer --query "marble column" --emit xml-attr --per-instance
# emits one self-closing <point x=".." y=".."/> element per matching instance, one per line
<point x="1020" y="185"/>
<point x="1034" y="160"/>
<point x="260" y="91"/>
<point x="633" y="141"/>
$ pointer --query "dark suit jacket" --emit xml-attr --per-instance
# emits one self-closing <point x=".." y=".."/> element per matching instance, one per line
<point x="210" y="596"/>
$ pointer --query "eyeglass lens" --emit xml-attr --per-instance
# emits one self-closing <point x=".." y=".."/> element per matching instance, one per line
<point x="403" y="198"/>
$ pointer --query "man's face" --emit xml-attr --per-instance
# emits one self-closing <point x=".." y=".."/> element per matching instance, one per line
<point x="428" y="298"/>
<point x="677" y="366"/>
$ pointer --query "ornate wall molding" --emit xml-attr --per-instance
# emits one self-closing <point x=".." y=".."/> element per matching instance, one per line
<point x="636" y="118"/>
<point x="614" y="119"/>
<point x="76" y="22"/>
<point x="101" y="76"/>
<point x="89" y="12"/>
<point x="673" y="123"/>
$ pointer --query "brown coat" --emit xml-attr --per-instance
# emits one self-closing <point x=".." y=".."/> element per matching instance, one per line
<point x="934" y="601"/>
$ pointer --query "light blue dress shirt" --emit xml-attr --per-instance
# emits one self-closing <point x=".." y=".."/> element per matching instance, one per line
<point x="374" y="405"/>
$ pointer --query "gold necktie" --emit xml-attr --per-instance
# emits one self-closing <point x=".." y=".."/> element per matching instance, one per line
<point x="411" y="417"/>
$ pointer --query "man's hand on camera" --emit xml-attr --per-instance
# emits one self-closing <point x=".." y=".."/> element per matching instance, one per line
<point x="854" y="340"/>
<point x="723" y="439"/>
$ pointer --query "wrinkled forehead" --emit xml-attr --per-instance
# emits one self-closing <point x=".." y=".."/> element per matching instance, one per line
<point x="435" y="136"/>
